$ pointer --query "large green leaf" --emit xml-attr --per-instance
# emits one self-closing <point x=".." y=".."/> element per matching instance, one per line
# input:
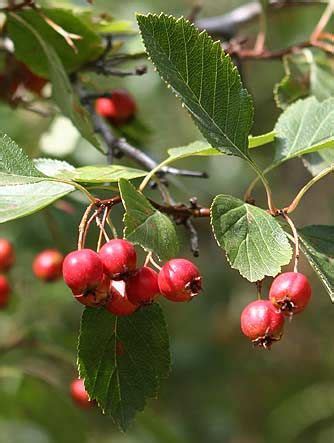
<point x="306" y="126"/>
<point x="317" y="243"/>
<point x="145" y="225"/>
<point x="27" y="45"/>
<point x="308" y="72"/>
<point x="203" y="77"/>
<point x="62" y="90"/>
<point x="123" y="359"/>
<point x="254" y="242"/>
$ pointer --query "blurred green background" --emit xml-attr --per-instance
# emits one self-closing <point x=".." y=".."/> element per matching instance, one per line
<point x="220" y="389"/>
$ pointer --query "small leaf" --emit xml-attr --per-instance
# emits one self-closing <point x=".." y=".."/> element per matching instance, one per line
<point x="317" y="243"/>
<point x="306" y="126"/>
<point x="254" y="242"/>
<point x="205" y="79"/>
<point x="146" y="226"/>
<point x="123" y="360"/>
<point x="103" y="174"/>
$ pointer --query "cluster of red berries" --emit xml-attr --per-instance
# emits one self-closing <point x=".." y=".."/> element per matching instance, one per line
<point x="112" y="279"/>
<point x="119" y="108"/>
<point x="262" y="321"/>
<point x="7" y="259"/>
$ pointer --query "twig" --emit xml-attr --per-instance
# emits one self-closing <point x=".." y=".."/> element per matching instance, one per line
<point x="194" y="245"/>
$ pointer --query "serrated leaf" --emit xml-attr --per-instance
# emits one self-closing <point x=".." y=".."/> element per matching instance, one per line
<point x="253" y="240"/>
<point x="123" y="360"/>
<point x="205" y="79"/>
<point x="27" y="46"/>
<point x="145" y="225"/>
<point x="62" y="90"/>
<point x="103" y="174"/>
<point x="308" y="72"/>
<point x="317" y="243"/>
<point x="306" y="126"/>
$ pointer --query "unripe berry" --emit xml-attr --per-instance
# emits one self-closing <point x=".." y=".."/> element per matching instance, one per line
<point x="4" y="291"/>
<point x="79" y="394"/>
<point x="262" y="323"/>
<point x="96" y="297"/>
<point x="179" y="280"/>
<point x="48" y="265"/>
<point x="119" y="108"/>
<point x="290" y="292"/>
<point x="142" y="286"/>
<point x="119" y="303"/>
<point x="119" y="258"/>
<point x="82" y="271"/>
<point x="7" y="255"/>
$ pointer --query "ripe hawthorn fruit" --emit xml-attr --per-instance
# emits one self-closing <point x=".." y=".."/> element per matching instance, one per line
<point x="4" y="291"/>
<point x="48" y="264"/>
<point x="119" y="258"/>
<point x="119" y="303"/>
<point x="7" y="255"/>
<point x="262" y="323"/>
<point x="82" y="271"/>
<point x="179" y="280"/>
<point x="142" y="286"/>
<point x="96" y="297"/>
<point x="119" y="108"/>
<point x="79" y="394"/>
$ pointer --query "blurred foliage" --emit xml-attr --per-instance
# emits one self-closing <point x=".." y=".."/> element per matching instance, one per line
<point x="220" y="389"/>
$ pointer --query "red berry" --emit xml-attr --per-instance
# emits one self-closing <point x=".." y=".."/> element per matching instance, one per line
<point x="48" y="265"/>
<point x="262" y="323"/>
<point x="82" y="271"/>
<point x="79" y="393"/>
<point x="4" y="291"/>
<point x="119" y="303"/>
<point x="179" y="280"/>
<point x="7" y="254"/>
<point x="290" y="292"/>
<point x="96" y="297"/>
<point x="119" y="258"/>
<point x="142" y="286"/>
<point x="119" y="108"/>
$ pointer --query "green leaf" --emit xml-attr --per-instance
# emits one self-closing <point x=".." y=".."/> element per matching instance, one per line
<point x="145" y="225"/>
<point x="27" y="45"/>
<point x="308" y="72"/>
<point x="203" y="77"/>
<point x="317" y="243"/>
<point x="253" y="240"/>
<point x="62" y="90"/>
<point x="306" y="126"/>
<point x="103" y="174"/>
<point x="53" y="168"/>
<point x="123" y="360"/>
<point x="106" y="24"/>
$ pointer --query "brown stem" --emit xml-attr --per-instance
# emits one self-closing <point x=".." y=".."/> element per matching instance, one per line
<point x="82" y="226"/>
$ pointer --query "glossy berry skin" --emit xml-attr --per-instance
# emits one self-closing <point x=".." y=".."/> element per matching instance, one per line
<point x="48" y="265"/>
<point x="4" y="291"/>
<point x="82" y="271"/>
<point x="96" y="297"/>
<point x="79" y="394"/>
<point x="262" y="323"/>
<point x="7" y="255"/>
<point x="142" y="286"/>
<point x="119" y="258"/>
<point x="119" y="303"/>
<point x="179" y="280"/>
<point x="290" y="292"/>
<point x="119" y="108"/>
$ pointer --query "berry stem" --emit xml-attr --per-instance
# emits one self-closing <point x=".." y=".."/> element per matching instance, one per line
<point x="148" y="258"/>
<point x="154" y="263"/>
<point x="82" y="226"/>
<point x="101" y="225"/>
<point x="296" y="239"/>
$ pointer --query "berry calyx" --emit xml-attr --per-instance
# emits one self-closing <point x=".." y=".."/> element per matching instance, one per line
<point x="119" y="258"/>
<point x="142" y="286"/>
<point x="262" y="323"/>
<point x="7" y="255"/>
<point x="96" y="297"/>
<point x="79" y="394"/>
<point x="179" y="280"/>
<point x="48" y="265"/>
<point x="119" y="303"/>
<point x="4" y="291"/>
<point x="82" y="271"/>
<point x="290" y="292"/>
<point x="119" y="108"/>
